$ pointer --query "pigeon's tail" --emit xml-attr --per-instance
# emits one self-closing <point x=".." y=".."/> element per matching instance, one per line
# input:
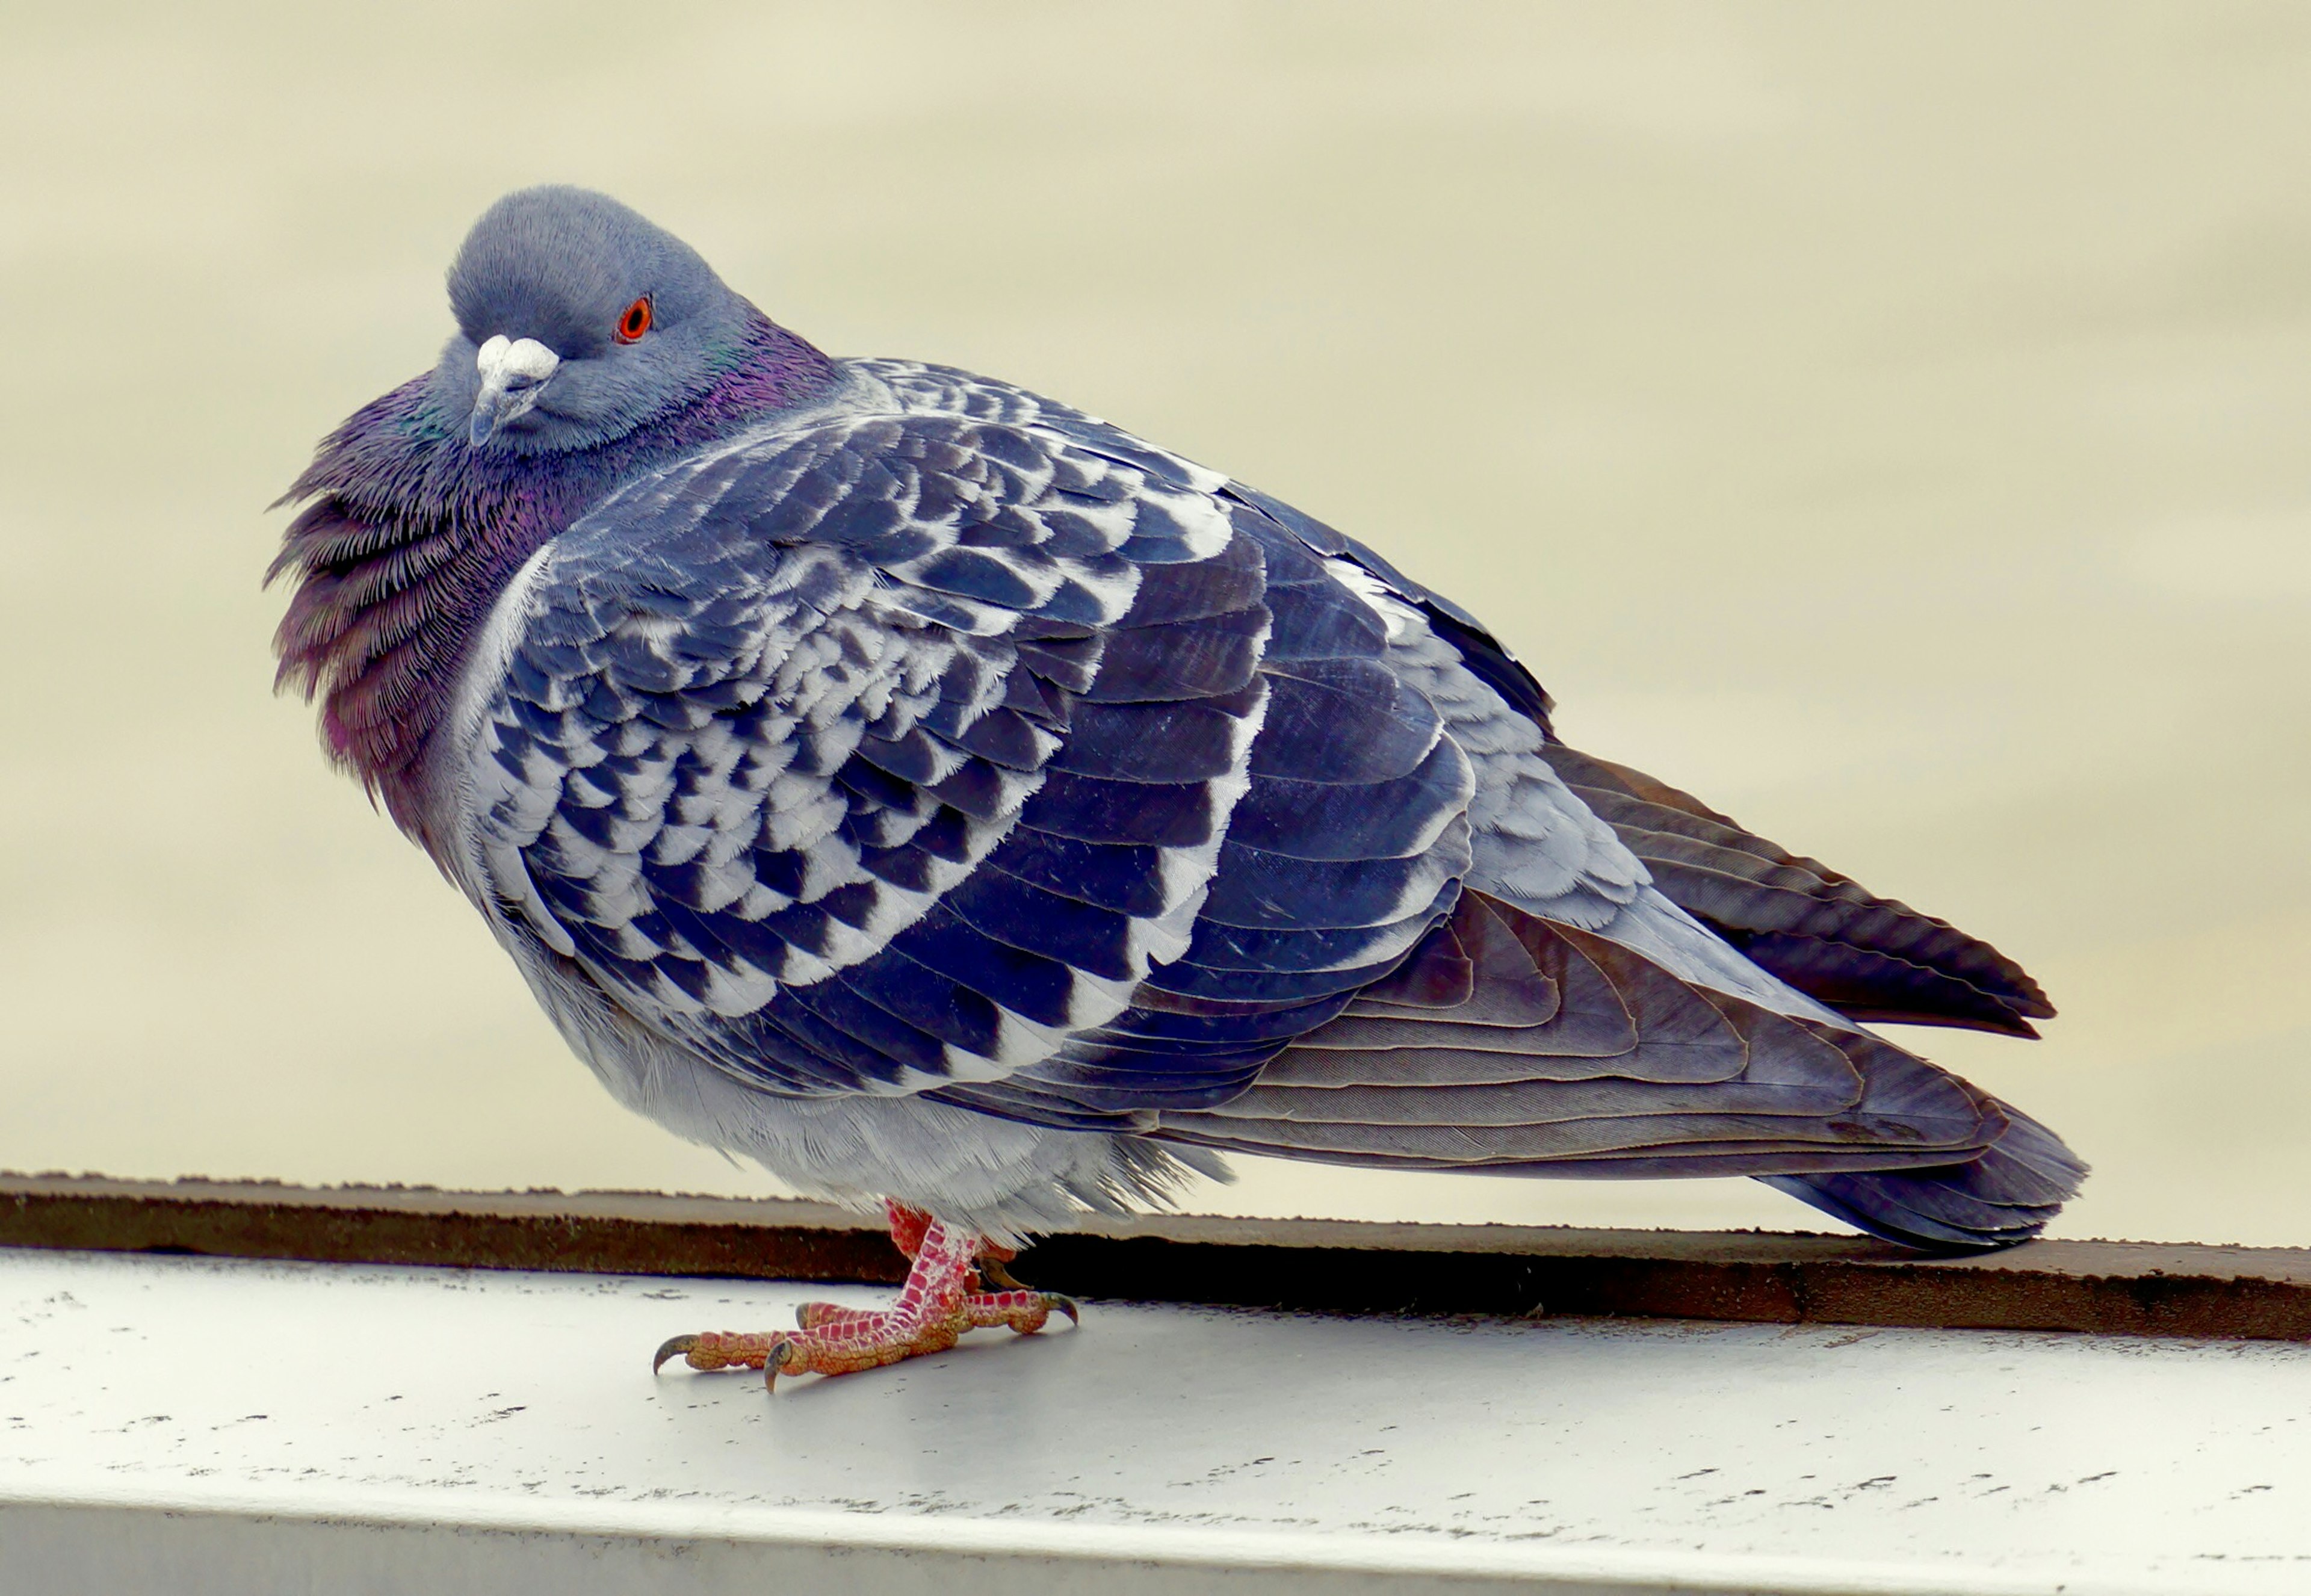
<point x="2006" y="1194"/>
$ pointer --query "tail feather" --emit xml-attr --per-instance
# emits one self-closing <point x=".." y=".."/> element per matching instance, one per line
<point x="2006" y="1194"/>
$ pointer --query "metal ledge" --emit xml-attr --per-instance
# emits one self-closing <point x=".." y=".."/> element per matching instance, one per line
<point x="209" y="1427"/>
<point x="1326" y="1266"/>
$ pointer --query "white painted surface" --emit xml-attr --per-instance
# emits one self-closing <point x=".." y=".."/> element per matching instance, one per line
<point x="191" y="1425"/>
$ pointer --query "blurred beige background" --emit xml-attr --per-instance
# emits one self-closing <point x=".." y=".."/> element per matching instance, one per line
<point x="1893" y="423"/>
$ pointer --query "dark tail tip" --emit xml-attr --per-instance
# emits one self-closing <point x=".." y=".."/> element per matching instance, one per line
<point x="2007" y="1194"/>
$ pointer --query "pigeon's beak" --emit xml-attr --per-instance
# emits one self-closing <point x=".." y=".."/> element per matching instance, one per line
<point x="513" y="374"/>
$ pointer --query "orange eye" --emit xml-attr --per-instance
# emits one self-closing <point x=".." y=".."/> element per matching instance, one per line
<point x="636" y="321"/>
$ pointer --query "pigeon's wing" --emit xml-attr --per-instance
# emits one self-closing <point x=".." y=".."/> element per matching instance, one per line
<point x="1347" y="844"/>
<point x="1511" y="1045"/>
<point x="1345" y="998"/>
<point x="1517" y="1045"/>
<point x="889" y="753"/>
<point x="1868" y="957"/>
<point x="1483" y="654"/>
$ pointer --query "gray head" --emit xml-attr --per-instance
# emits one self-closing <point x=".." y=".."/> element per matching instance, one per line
<point x="577" y="320"/>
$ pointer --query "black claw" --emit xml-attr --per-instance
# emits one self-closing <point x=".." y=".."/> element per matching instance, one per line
<point x="1064" y="1304"/>
<point x="998" y="1276"/>
<point x="674" y="1348"/>
<point x="776" y="1360"/>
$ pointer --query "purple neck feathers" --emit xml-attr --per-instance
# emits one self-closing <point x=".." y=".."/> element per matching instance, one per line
<point x="413" y="536"/>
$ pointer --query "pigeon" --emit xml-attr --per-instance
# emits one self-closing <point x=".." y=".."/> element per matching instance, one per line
<point x="956" y="803"/>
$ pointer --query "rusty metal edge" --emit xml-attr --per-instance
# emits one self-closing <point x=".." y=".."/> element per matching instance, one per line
<point x="1322" y="1265"/>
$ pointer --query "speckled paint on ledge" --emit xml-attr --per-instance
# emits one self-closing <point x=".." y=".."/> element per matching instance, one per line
<point x="1791" y="1458"/>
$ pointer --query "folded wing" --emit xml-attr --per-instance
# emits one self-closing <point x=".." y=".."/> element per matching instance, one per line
<point x="1870" y="958"/>
<point x="886" y="753"/>
<point x="1508" y="1045"/>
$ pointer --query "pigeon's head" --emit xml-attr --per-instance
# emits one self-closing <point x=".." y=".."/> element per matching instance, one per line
<point x="578" y="321"/>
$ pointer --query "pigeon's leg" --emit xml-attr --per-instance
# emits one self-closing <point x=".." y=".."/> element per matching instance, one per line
<point x="1000" y="1300"/>
<point x="936" y="1306"/>
<point x="907" y="1225"/>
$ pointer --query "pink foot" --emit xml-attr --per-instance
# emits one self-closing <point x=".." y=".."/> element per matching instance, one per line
<point x="935" y="1307"/>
